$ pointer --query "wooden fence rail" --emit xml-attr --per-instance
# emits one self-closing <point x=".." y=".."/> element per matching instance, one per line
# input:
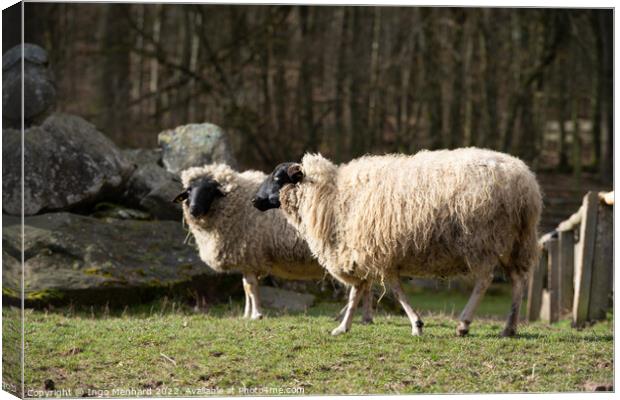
<point x="575" y="272"/>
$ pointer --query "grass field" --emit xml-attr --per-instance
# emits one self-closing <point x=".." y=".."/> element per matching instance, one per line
<point x="168" y="349"/>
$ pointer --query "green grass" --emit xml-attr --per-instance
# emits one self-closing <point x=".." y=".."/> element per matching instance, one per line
<point x="169" y="349"/>
<point x="11" y="349"/>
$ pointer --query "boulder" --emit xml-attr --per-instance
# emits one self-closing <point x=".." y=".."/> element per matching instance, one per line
<point x="194" y="145"/>
<point x="153" y="188"/>
<point x="283" y="299"/>
<point x="38" y="85"/>
<point x="146" y="178"/>
<point x="70" y="257"/>
<point x="159" y="202"/>
<point x="111" y="210"/>
<point x="67" y="163"/>
<point x="140" y="157"/>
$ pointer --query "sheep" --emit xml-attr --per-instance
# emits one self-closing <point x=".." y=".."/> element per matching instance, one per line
<point x="232" y="236"/>
<point x="436" y="214"/>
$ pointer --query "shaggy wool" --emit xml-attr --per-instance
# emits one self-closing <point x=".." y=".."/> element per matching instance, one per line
<point x="233" y="236"/>
<point x="437" y="213"/>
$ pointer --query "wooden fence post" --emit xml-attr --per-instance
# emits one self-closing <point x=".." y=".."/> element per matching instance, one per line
<point x="567" y="267"/>
<point x="584" y="258"/>
<point x="602" y="265"/>
<point x="553" y="279"/>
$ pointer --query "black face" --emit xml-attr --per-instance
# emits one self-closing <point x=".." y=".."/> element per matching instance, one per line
<point x="199" y="196"/>
<point x="268" y="194"/>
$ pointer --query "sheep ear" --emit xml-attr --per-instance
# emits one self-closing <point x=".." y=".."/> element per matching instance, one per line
<point x="295" y="173"/>
<point x="181" y="197"/>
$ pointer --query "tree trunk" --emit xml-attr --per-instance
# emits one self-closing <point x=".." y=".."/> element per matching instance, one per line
<point x="528" y="133"/>
<point x="342" y="131"/>
<point x="455" y="136"/>
<point x="604" y="138"/>
<point x="154" y="67"/>
<point x="306" y="73"/>
<point x="115" y="87"/>
<point x="374" y="89"/>
<point x="433" y="81"/>
<point x="577" y="157"/>
<point x="358" y="96"/>
<point x="491" y="49"/>
<point x="265" y="78"/>
<point x="193" y="65"/>
<point x="563" y="116"/>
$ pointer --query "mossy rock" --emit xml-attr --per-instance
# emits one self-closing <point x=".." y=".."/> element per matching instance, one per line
<point x="194" y="145"/>
<point x="70" y="257"/>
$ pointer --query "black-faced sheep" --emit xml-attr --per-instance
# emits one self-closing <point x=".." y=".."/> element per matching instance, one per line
<point x="437" y="214"/>
<point x="232" y="236"/>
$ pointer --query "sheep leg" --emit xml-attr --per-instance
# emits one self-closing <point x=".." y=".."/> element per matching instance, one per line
<point x="354" y="297"/>
<point x="252" y="283"/>
<point x="341" y="313"/>
<point x="480" y="288"/>
<point x="247" y="312"/>
<point x="367" y="306"/>
<point x="416" y="321"/>
<point x="518" y="286"/>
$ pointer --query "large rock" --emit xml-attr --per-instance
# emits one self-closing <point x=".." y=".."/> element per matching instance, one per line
<point x="111" y="210"/>
<point x="140" y="157"/>
<point x="84" y="259"/>
<point x="159" y="202"/>
<point x="38" y="85"/>
<point x="67" y="163"/>
<point x="153" y="188"/>
<point x="194" y="145"/>
<point x="146" y="178"/>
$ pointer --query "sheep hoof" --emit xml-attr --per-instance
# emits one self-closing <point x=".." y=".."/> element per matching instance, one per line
<point x="339" y="331"/>
<point x="257" y="316"/>
<point x="462" y="329"/>
<point x="367" y="321"/>
<point x="416" y="330"/>
<point x="462" y="332"/>
<point x="509" y="332"/>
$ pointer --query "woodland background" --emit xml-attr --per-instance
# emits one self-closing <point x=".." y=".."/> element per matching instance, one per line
<point x="345" y="81"/>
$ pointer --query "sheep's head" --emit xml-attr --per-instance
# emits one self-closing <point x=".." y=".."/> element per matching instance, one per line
<point x="268" y="194"/>
<point x="199" y="196"/>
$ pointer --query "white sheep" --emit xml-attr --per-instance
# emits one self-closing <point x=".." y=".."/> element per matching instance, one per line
<point x="436" y="214"/>
<point x="232" y="236"/>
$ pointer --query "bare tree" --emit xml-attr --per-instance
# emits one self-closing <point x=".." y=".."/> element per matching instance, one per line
<point x="341" y="80"/>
